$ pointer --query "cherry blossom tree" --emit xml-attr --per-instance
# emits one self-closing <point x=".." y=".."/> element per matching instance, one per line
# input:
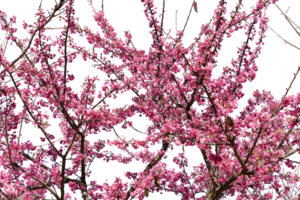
<point x="245" y="154"/>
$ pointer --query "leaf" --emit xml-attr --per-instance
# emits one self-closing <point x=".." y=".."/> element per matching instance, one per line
<point x="195" y="6"/>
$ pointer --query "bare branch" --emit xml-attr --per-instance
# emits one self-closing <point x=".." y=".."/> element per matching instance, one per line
<point x="292" y="23"/>
<point x="102" y="5"/>
<point x="176" y="23"/>
<point x="162" y="18"/>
